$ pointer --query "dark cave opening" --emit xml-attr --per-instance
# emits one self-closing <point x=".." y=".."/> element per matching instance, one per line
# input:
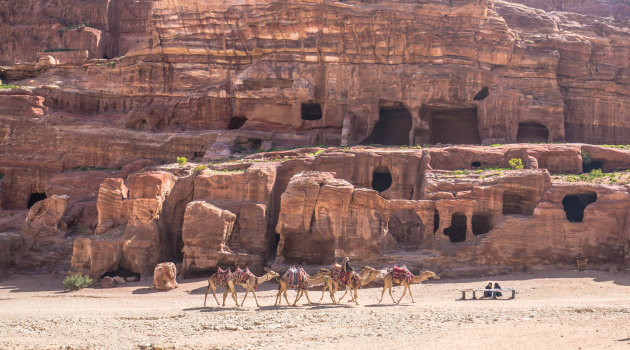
<point x="592" y="165"/>
<point x="532" y="132"/>
<point x="121" y="272"/>
<point x="482" y="223"/>
<point x="574" y="205"/>
<point x="311" y="111"/>
<point x="519" y="202"/>
<point x="34" y="198"/>
<point x="393" y="126"/>
<point x="475" y="164"/>
<point x="436" y="220"/>
<point x="406" y="227"/>
<point x="381" y="179"/>
<point x="482" y="94"/>
<point x="457" y="231"/>
<point x="452" y="125"/>
<point x="236" y="123"/>
<point x="255" y="144"/>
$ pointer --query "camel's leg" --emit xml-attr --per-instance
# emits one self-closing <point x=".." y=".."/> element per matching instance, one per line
<point x="255" y="298"/>
<point x="411" y="294"/>
<point x="297" y="297"/>
<point x="390" y="293"/>
<point x="307" y="298"/>
<point x="225" y="295"/>
<point x="344" y="293"/>
<point x="206" y="297"/>
<point x="383" y="291"/>
<point x="356" y="296"/>
<point x="285" y="297"/>
<point x="245" y="296"/>
<point x="279" y="295"/>
<point x="323" y="291"/>
<point x="233" y="294"/>
<point x="404" y="292"/>
<point x="332" y="294"/>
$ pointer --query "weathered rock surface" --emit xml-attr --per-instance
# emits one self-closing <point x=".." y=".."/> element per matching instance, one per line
<point x="95" y="256"/>
<point x="164" y="276"/>
<point x="112" y="87"/>
<point x="205" y="234"/>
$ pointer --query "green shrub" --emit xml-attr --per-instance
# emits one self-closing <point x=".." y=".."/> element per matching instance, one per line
<point x="516" y="163"/>
<point x="8" y="86"/>
<point x="596" y="173"/>
<point x="76" y="282"/>
<point x="200" y="168"/>
<point x="110" y="64"/>
<point x="182" y="160"/>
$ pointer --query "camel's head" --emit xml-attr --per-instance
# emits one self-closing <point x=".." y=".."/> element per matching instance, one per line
<point x="431" y="275"/>
<point x="324" y="271"/>
<point x="272" y="274"/>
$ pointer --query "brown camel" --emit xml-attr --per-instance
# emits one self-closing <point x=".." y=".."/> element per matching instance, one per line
<point x="404" y="278"/>
<point x="304" y="281"/>
<point x="252" y="282"/>
<point x="221" y="278"/>
<point x="367" y="275"/>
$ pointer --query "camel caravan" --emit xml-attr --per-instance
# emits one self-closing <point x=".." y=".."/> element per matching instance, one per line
<point x="340" y="276"/>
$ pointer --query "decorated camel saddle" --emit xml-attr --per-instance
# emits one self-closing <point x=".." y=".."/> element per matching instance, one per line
<point x="241" y="276"/>
<point x="223" y="276"/>
<point x="341" y="277"/>
<point x="296" y="277"/>
<point x="401" y="274"/>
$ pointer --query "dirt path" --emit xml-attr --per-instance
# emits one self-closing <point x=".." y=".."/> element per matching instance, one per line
<point x="561" y="310"/>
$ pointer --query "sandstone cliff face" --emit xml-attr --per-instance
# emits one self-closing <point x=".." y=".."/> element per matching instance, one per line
<point x="114" y="86"/>
<point x="455" y="216"/>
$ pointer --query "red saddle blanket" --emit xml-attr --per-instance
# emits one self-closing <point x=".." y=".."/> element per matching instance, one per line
<point x="341" y="277"/>
<point x="296" y="278"/>
<point x="402" y="274"/>
<point x="223" y="276"/>
<point x="241" y="276"/>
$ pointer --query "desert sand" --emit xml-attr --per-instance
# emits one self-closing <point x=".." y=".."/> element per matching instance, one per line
<point x="558" y="309"/>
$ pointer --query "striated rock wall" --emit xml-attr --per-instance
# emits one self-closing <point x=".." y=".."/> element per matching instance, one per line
<point x="461" y="218"/>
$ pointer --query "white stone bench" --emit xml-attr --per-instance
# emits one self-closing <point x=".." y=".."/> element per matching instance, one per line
<point x="493" y="291"/>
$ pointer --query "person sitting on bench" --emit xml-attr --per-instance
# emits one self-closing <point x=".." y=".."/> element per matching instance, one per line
<point x="488" y="293"/>
<point x="497" y="286"/>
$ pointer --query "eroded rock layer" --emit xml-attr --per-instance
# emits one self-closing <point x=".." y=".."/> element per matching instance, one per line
<point x="109" y="90"/>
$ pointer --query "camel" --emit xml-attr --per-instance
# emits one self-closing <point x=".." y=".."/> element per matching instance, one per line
<point x="304" y="282"/>
<point x="221" y="278"/>
<point x="367" y="275"/>
<point x="252" y="282"/>
<point x="404" y="278"/>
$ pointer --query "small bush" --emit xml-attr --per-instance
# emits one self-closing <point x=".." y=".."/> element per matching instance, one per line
<point x="516" y="163"/>
<point x="200" y="168"/>
<point x="110" y="64"/>
<point x="596" y="173"/>
<point x="8" y="86"/>
<point x="76" y="282"/>
<point x="182" y="160"/>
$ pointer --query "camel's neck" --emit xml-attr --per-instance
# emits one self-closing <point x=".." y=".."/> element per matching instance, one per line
<point x="260" y="280"/>
<point x="315" y="280"/>
<point x="421" y="278"/>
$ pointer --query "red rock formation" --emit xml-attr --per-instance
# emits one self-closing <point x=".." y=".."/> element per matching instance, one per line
<point x="206" y="79"/>
<point x="164" y="276"/>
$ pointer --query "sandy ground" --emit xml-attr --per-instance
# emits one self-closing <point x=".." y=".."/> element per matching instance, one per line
<point x="552" y="310"/>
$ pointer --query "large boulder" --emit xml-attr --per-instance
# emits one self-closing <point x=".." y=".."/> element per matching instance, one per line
<point x="164" y="276"/>
<point x="205" y="233"/>
<point x="95" y="256"/>
<point x="44" y="224"/>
